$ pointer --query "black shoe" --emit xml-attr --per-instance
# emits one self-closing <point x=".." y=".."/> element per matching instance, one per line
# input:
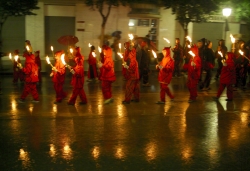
<point x="70" y="103"/>
<point x="82" y="103"/>
<point x="125" y="102"/>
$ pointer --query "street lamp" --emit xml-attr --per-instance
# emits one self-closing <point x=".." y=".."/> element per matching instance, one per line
<point x="226" y="13"/>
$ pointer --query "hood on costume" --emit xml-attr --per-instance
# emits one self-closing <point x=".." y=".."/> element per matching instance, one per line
<point x="108" y="52"/>
<point x="168" y="50"/>
<point x="59" y="53"/>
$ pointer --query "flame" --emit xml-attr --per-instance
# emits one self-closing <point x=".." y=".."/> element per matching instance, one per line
<point x="232" y="38"/>
<point x="16" y="57"/>
<point x="242" y="53"/>
<point x="47" y="59"/>
<point x="189" y="39"/>
<point x="155" y="56"/>
<point x="189" y="46"/>
<point x="219" y="52"/>
<point x="131" y="37"/>
<point x="10" y="56"/>
<point x="28" y="48"/>
<point x="51" y="47"/>
<point x="120" y="45"/>
<point x="93" y="53"/>
<point x="166" y="40"/>
<point x="120" y="55"/>
<point x="90" y="45"/>
<point x="191" y="53"/>
<point x="71" y="50"/>
<point x="62" y="59"/>
<point x="99" y="49"/>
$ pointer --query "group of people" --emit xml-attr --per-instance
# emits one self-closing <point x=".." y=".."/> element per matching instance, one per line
<point x="232" y="70"/>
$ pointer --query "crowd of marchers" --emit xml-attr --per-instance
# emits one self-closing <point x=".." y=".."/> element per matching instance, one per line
<point x="233" y="69"/>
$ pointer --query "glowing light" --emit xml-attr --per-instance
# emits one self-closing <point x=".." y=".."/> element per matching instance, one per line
<point x="10" y="56"/>
<point x="90" y="45"/>
<point x="99" y="49"/>
<point x="219" y="52"/>
<point x="191" y="53"/>
<point x="189" y="39"/>
<point x="120" y="54"/>
<point x="62" y="59"/>
<point x="52" y="151"/>
<point x="28" y="48"/>
<point x="47" y="59"/>
<point x="51" y="47"/>
<point x="226" y="12"/>
<point x="166" y="40"/>
<point x="71" y="50"/>
<point x="241" y="52"/>
<point x="232" y="38"/>
<point x="16" y="58"/>
<point x="96" y="152"/>
<point x="153" y="52"/>
<point x="93" y="53"/>
<point x="131" y="37"/>
<point x="131" y="24"/>
<point x="119" y="153"/>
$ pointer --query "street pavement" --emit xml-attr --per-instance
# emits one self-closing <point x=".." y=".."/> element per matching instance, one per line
<point x="178" y="136"/>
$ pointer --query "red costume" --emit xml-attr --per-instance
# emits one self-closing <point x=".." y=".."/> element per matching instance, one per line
<point x="58" y="77"/>
<point x="227" y="77"/>
<point x="107" y="74"/>
<point x="78" y="80"/>
<point x="17" y="72"/>
<point x="31" y="78"/>
<point x="38" y="62"/>
<point x="92" y="71"/>
<point x="166" y="67"/>
<point x="194" y="72"/>
<point x="132" y="77"/>
<point x="102" y="60"/>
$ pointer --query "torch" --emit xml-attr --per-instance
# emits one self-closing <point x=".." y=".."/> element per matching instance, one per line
<point x="233" y="43"/>
<point x="242" y="54"/>
<point x="192" y="54"/>
<point x="10" y="56"/>
<point x="66" y="65"/>
<point x="52" y="50"/>
<point x="120" y="47"/>
<point x="28" y="48"/>
<point x="155" y="56"/>
<point x="121" y="57"/>
<point x="220" y="53"/>
<point x="48" y="61"/>
<point x="166" y="40"/>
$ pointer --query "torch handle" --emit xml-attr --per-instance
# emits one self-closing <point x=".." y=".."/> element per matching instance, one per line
<point x="246" y="58"/>
<point x="51" y="65"/>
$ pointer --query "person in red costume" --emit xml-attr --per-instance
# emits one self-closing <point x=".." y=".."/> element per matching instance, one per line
<point x="58" y="77"/>
<point x="101" y="60"/>
<point x="125" y="58"/>
<point x="227" y="77"/>
<point x="194" y="71"/>
<point x="30" y="70"/>
<point x="92" y="71"/>
<point x="38" y="62"/>
<point x="132" y="77"/>
<point x="166" y="67"/>
<point x="107" y="74"/>
<point x="78" y="80"/>
<point x="17" y="72"/>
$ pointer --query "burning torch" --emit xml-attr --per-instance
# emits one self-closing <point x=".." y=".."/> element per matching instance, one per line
<point x="66" y="65"/>
<point x="242" y="54"/>
<point x="233" y="43"/>
<point x="193" y="55"/>
<point x="52" y="50"/>
<point x="48" y="61"/>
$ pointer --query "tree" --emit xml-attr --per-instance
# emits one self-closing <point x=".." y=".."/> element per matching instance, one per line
<point x="15" y="8"/>
<point x="242" y="12"/>
<point x="191" y="11"/>
<point x="104" y="8"/>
